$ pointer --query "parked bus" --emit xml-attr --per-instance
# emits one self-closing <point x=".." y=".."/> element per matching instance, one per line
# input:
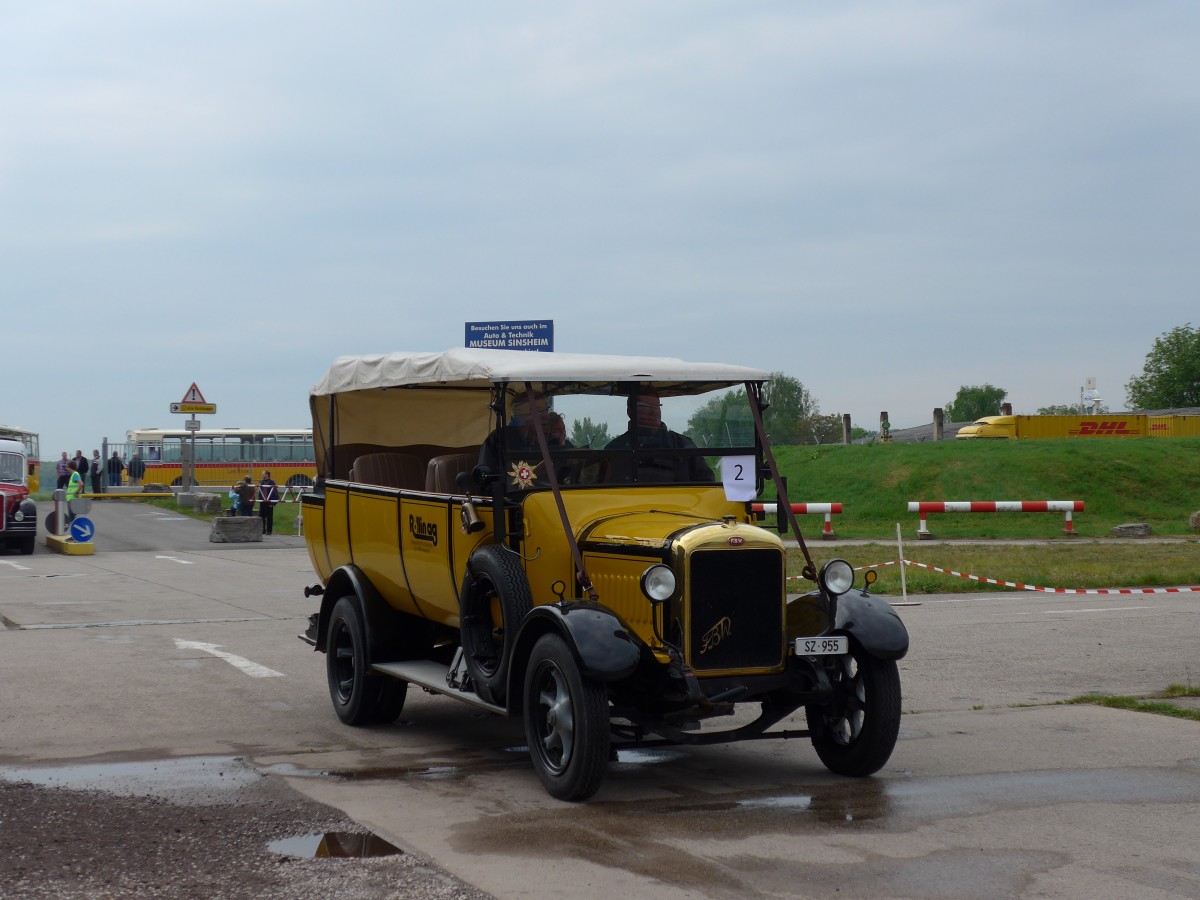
<point x="224" y="455"/>
<point x="33" y="465"/>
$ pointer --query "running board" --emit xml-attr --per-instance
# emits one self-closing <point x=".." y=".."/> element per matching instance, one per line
<point x="431" y="676"/>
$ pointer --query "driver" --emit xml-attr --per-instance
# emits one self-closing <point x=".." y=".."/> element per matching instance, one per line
<point x="645" y="420"/>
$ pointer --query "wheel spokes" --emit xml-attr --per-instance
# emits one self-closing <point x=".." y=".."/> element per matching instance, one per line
<point x="847" y="725"/>
<point x="558" y="720"/>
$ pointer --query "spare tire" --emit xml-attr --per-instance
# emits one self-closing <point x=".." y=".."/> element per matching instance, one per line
<point x="495" y="599"/>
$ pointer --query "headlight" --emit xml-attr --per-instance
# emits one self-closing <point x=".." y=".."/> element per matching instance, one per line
<point x="658" y="583"/>
<point x="18" y="516"/>
<point x="836" y="577"/>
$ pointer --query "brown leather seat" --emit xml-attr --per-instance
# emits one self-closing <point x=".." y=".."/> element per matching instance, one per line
<point x="442" y="472"/>
<point x="397" y="470"/>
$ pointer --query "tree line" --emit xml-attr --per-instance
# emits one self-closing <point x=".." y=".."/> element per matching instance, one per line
<point x="1170" y="379"/>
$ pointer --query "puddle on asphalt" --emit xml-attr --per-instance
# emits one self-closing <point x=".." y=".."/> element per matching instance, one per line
<point x="195" y="778"/>
<point x="335" y="845"/>
<point x="641" y="756"/>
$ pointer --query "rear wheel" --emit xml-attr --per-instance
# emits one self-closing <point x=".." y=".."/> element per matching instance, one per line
<point x="495" y="600"/>
<point x="854" y="734"/>
<point x="359" y="697"/>
<point x="566" y="722"/>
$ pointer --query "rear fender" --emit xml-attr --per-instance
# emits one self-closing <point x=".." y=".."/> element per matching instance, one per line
<point x="873" y="623"/>
<point x="603" y="647"/>
<point x="377" y="616"/>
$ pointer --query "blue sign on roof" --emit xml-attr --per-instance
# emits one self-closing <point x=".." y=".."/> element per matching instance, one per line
<point x="524" y="334"/>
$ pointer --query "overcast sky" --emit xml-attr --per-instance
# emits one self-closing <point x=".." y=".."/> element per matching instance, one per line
<point x="885" y="200"/>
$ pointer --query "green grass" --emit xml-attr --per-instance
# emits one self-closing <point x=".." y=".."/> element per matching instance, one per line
<point x="1150" y="480"/>
<point x="1159" y="705"/>
<point x="1076" y="566"/>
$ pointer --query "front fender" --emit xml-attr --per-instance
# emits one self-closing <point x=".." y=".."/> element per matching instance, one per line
<point x="873" y="623"/>
<point x="603" y="647"/>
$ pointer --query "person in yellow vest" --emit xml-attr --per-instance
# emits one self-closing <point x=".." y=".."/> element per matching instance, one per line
<point x="75" y="486"/>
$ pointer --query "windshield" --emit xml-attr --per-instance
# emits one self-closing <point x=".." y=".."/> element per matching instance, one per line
<point x="12" y="468"/>
<point x="623" y="434"/>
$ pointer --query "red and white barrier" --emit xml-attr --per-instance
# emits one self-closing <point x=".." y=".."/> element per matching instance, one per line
<point x="801" y="509"/>
<point x="925" y="507"/>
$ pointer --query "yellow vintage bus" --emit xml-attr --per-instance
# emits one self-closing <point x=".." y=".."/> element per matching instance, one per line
<point x="224" y="455"/>
<point x="33" y="465"/>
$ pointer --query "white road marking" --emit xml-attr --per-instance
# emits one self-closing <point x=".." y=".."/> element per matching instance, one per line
<point x="1097" y="609"/>
<point x="4" y="562"/>
<point x="182" y="562"/>
<point x="253" y="669"/>
<point x="1064" y="612"/>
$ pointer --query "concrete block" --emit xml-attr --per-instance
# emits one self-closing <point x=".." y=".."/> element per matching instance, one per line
<point x="236" y="530"/>
<point x="1131" y="529"/>
<point x="207" y="503"/>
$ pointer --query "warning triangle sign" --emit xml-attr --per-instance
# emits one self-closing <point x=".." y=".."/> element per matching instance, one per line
<point x="193" y="395"/>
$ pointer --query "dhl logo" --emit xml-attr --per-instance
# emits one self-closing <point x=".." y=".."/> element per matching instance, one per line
<point x="1104" y="429"/>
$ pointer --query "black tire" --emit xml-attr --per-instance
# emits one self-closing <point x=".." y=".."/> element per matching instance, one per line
<point x="299" y="481"/>
<point x="495" y="600"/>
<point x="359" y="697"/>
<point x="566" y="722"/>
<point x="855" y="733"/>
<point x="27" y="544"/>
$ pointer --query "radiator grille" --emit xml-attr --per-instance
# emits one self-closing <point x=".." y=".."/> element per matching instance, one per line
<point x="736" y="613"/>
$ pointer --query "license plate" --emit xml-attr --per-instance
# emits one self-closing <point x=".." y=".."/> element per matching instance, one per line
<point x="822" y="646"/>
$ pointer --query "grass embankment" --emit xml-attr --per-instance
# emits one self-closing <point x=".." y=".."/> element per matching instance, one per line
<point x="1152" y="480"/>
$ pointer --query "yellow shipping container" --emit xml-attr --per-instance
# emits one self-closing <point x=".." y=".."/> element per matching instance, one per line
<point x="1103" y="425"/>
<point x="1174" y="426"/>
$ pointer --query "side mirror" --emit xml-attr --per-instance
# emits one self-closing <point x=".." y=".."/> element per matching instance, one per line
<point x="482" y="476"/>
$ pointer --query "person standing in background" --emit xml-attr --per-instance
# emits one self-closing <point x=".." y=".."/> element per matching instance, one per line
<point x="245" y="491"/>
<point x="268" y="496"/>
<point x="81" y="466"/>
<point x="114" y="467"/>
<point x="97" y="470"/>
<point x="62" y="469"/>
<point x="137" y="468"/>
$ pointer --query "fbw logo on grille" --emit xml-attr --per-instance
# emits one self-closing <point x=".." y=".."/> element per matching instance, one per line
<point x="1102" y="428"/>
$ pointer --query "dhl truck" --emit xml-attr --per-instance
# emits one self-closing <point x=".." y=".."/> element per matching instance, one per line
<point x="606" y="583"/>
<point x="1104" y="425"/>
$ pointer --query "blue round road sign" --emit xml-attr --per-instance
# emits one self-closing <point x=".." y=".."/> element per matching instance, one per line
<point x="82" y="529"/>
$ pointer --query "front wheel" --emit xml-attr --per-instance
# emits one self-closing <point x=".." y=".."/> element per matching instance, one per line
<point x="359" y="697"/>
<point x="495" y="600"/>
<point x="566" y="722"/>
<point x="855" y="732"/>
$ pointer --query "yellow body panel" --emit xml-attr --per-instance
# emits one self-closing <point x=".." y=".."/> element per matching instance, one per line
<point x="413" y="550"/>
<point x="410" y="546"/>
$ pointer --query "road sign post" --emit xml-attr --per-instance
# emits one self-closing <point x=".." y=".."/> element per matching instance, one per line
<point x="193" y="403"/>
